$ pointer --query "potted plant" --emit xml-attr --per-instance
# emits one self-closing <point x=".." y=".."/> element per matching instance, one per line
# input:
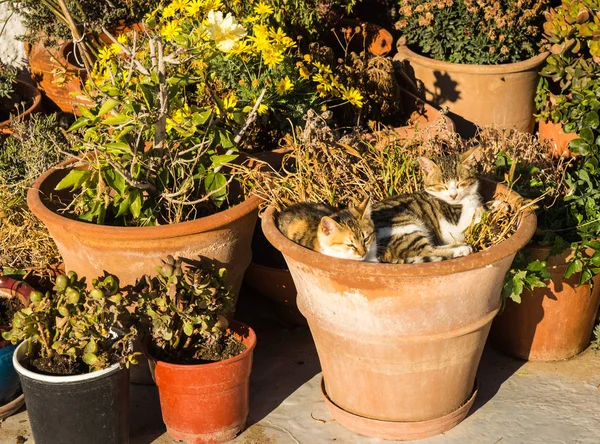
<point x="480" y="60"/>
<point x="551" y="299"/>
<point x="73" y="361"/>
<point x="14" y="295"/>
<point x="18" y="99"/>
<point x="567" y="98"/>
<point x="390" y="336"/>
<point x="201" y="362"/>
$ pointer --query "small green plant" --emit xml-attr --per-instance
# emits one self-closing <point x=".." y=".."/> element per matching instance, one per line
<point x="72" y="330"/>
<point x="472" y="31"/>
<point x="183" y="309"/>
<point x="8" y="77"/>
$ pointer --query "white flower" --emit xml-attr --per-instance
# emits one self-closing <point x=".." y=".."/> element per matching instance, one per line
<point x="225" y="31"/>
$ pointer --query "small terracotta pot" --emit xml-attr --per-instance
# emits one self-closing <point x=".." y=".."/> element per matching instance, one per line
<point x="400" y="343"/>
<point x="206" y="403"/>
<point x="501" y="95"/>
<point x="56" y="77"/>
<point x="560" y="140"/>
<point x="379" y="40"/>
<point x="550" y="323"/>
<point x="129" y="252"/>
<point x="31" y="94"/>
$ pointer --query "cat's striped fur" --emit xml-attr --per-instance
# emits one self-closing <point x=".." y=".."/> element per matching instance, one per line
<point x="345" y="234"/>
<point x="429" y="225"/>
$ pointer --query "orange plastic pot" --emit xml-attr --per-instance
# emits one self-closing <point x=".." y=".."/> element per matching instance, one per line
<point x="502" y="95"/>
<point x="399" y="345"/>
<point x="550" y="323"/>
<point x="559" y="140"/>
<point x="33" y="95"/>
<point x="206" y="403"/>
<point x="129" y="252"/>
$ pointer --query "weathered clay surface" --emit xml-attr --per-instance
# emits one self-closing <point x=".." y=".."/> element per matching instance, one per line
<point x="501" y="95"/>
<point x="399" y="342"/>
<point x="130" y="252"/>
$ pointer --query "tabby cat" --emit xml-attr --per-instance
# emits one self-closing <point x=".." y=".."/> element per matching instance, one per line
<point x="429" y="225"/>
<point x="345" y="234"/>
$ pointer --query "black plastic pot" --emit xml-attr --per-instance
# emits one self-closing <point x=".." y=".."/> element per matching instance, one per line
<point x="91" y="408"/>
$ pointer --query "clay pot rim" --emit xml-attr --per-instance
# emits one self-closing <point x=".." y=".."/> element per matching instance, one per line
<point x="337" y="266"/>
<point x="505" y="68"/>
<point x="235" y="326"/>
<point x="62" y="53"/>
<point x="16" y="288"/>
<point x="202" y="224"/>
<point x="35" y="95"/>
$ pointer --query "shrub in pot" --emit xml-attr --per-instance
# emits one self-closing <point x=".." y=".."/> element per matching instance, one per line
<point x="201" y="362"/>
<point x="18" y="99"/>
<point x="550" y="300"/>
<point x="73" y="361"/>
<point x="399" y="344"/>
<point x="567" y="97"/>
<point x="479" y="59"/>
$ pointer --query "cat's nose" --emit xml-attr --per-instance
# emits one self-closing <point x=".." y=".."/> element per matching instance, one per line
<point x="453" y="194"/>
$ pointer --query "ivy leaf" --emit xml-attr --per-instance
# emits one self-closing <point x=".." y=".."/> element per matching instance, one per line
<point x="214" y="182"/>
<point x="135" y="202"/>
<point x="587" y="135"/>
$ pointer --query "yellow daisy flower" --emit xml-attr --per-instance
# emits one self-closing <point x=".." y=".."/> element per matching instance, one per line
<point x="171" y="30"/>
<point x="263" y="9"/>
<point x="353" y="96"/>
<point x="284" y="85"/>
<point x="105" y="54"/>
<point x="272" y="58"/>
<point x="180" y="5"/>
<point x="169" y="11"/>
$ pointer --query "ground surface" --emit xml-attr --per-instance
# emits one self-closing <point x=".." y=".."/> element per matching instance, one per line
<point x="518" y="402"/>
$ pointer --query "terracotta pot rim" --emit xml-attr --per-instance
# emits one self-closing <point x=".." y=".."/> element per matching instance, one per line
<point x="34" y="93"/>
<point x="62" y="53"/>
<point x="207" y="223"/>
<point x="334" y="265"/>
<point x="505" y="68"/>
<point x="214" y="365"/>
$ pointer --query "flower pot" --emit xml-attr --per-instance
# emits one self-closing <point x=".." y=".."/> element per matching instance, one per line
<point x="559" y="139"/>
<point x="58" y="78"/>
<point x="550" y="323"/>
<point x="31" y="96"/>
<point x="206" y="403"/>
<point x="399" y="345"/>
<point x="130" y="252"/>
<point x="501" y="95"/>
<point x="91" y="408"/>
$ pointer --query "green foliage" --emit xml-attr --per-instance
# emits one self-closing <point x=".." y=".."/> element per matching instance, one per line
<point x="72" y="328"/>
<point x="472" y="31"/>
<point x="524" y="275"/>
<point x="182" y="308"/>
<point x="8" y="77"/>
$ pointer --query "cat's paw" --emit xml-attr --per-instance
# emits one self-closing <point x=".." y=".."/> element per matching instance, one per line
<point x="462" y="250"/>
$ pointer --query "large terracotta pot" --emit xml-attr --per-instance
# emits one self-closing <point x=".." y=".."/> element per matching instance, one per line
<point x="31" y="95"/>
<point x="559" y="140"/>
<point x="58" y="78"/>
<point x="130" y="252"/>
<point x="550" y="323"/>
<point x="206" y="403"/>
<point x="399" y="345"/>
<point x="501" y="95"/>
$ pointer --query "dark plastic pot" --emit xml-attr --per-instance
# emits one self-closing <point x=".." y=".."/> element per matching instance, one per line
<point x="206" y="403"/>
<point x="91" y="408"/>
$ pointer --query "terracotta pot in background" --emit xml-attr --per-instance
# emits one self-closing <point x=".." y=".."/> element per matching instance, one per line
<point x="399" y="345"/>
<point x="501" y="95"/>
<point x="559" y="139"/>
<point x="551" y="323"/>
<point x="129" y="252"/>
<point x="56" y="77"/>
<point x="33" y="96"/>
<point x="206" y="403"/>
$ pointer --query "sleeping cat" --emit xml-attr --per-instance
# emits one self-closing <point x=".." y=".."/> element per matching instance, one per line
<point x="345" y="234"/>
<point x="429" y="225"/>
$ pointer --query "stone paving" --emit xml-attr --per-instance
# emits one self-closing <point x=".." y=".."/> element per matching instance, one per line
<point x="518" y="402"/>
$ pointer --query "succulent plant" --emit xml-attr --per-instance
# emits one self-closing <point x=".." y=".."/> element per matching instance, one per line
<point x="8" y="77"/>
<point x="182" y="310"/>
<point x="73" y="330"/>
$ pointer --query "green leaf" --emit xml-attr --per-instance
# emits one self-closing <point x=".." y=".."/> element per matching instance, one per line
<point x="222" y="159"/>
<point x="587" y="135"/>
<point x="574" y="267"/>
<point x="85" y="112"/>
<point x="123" y="207"/>
<point x="115" y="180"/>
<point x="121" y="147"/>
<point x="108" y="106"/>
<point x="135" y="201"/>
<point x="117" y="119"/>
<point x="579" y="146"/>
<point x="591" y="120"/>
<point x="79" y="123"/>
<point x="214" y="182"/>
<point x="90" y="359"/>
<point x="188" y="328"/>
<point x="73" y="180"/>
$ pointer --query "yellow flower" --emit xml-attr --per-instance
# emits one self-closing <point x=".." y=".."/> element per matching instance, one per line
<point x="225" y="31"/>
<point x="307" y="58"/>
<point x="255" y="83"/>
<point x="353" y="96"/>
<point x="180" y="5"/>
<point x="194" y="7"/>
<point x="303" y="70"/>
<point x="281" y="38"/>
<point x="261" y="37"/>
<point x="272" y="58"/>
<point x="171" y="30"/>
<point x="122" y="39"/>
<point x="262" y="8"/>
<point x="105" y="54"/>
<point x="169" y="11"/>
<point x="284" y="85"/>
<point x="262" y="109"/>
<point x="323" y="68"/>
<point x="241" y="82"/>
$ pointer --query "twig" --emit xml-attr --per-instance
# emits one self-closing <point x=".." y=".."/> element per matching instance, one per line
<point x="203" y="199"/>
<point x="145" y="186"/>
<point x="250" y="119"/>
<point x="128" y="53"/>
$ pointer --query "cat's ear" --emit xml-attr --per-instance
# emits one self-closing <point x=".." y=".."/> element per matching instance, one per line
<point x="328" y="226"/>
<point x="363" y="210"/>
<point x="428" y="166"/>
<point x="471" y="157"/>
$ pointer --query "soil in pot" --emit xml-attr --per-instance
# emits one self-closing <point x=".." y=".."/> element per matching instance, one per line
<point x="206" y="403"/>
<point x="25" y="100"/>
<point x="401" y="343"/>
